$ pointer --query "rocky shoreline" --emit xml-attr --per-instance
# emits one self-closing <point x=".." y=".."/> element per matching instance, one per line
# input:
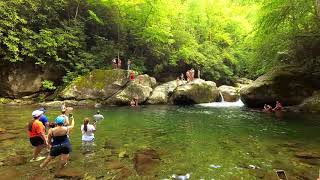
<point x="291" y="85"/>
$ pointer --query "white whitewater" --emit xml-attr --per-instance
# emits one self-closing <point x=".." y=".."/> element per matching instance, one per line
<point x="238" y="103"/>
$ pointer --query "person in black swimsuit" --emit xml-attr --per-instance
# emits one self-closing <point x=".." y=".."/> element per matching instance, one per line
<point x="59" y="141"/>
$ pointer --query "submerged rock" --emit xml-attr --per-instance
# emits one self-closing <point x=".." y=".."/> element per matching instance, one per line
<point x="195" y="92"/>
<point x="69" y="173"/>
<point x="288" y="84"/>
<point x="146" y="161"/>
<point x="229" y="93"/>
<point x="15" y="160"/>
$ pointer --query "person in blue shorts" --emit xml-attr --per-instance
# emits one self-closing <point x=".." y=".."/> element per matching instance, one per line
<point x="43" y="118"/>
<point x="59" y="141"/>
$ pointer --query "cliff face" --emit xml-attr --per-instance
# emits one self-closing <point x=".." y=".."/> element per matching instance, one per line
<point x="23" y="79"/>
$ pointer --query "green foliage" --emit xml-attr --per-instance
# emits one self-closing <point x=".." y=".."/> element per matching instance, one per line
<point x="48" y="85"/>
<point x="223" y="38"/>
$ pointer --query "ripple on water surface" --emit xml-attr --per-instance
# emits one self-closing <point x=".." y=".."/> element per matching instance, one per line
<point x="204" y="142"/>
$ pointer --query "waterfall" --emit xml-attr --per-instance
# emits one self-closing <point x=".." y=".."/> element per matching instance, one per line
<point x="239" y="103"/>
<point x="222" y="99"/>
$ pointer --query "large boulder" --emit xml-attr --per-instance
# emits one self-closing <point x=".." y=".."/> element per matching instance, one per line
<point x="146" y="80"/>
<point x="288" y="84"/>
<point x="311" y="104"/>
<point x="195" y="92"/>
<point x="25" y="78"/>
<point x="97" y="85"/>
<point x="133" y="90"/>
<point x="161" y="93"/>
<point x="229" y="93"/>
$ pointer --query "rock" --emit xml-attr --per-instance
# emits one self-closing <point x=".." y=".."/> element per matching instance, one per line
<point x="115" y="165"/>
<point x="145" y="80"/>
<point x="68" y="103"/>
<point x="2" y="130"/>
<point x="123" y="154"/>
<point x="229" y="93"/>
<point x="311" y="104"/>
<point x="146" y="161"/>
<point x="124" y="173"/>
<point x="288" y="84"/>
<point x="24" y="78"/>
<point x="160" y="95"/>
<point x="10" y="173"/>
<point x="69" y="173"/>
<point x="98" y="85"/>
<point x="16" y="160"/>
<point x="195" y="92"/>
<point x="5" y="100"/>
<point x="6" y="136"/>
<point x="134" y="89"/>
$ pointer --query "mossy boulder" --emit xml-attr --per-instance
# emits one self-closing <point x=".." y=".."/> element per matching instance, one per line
<point x="132" y="90"/>
<point x="161" y="93"/>
<point x="229" y="93"/>
<point x="311" y="104"/>
<point x="288" y="84"/>
<point x="97" y="85"/>
<point x="195" y="92"/>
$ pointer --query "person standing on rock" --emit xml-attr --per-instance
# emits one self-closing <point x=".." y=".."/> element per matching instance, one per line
<point x="119" y="63"/>
<point x="199" y="74"/>
<point x="36" y="132"/>
<point x="98" y="117"/>
<point x="192" y="74"/>
<point x="58" y="139"/>
<point x="128" y="67"/>
<point x="114" y="63"/>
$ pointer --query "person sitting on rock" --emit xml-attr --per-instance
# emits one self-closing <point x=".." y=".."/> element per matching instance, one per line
<point x="267" y="108"/>
<point x="59" y="141"/>
<point x="182" y="77"/>
<point x="278" y="107"/>
<point x="134" y="102"/>
<point x="131" y="75"/>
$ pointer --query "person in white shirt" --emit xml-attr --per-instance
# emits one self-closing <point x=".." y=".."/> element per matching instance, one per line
<point x="87" y="134"/>
<point x="98" y="117"/>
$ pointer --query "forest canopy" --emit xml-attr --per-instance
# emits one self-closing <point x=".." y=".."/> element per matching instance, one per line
<point x="225" y="39"/>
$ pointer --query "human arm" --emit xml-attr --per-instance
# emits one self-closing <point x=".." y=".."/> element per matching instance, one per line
<point x="50" y="136"/>
<point x="72" y="123"/>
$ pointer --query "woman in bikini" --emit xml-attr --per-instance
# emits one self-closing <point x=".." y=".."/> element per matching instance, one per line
<point x="59" y="141"/>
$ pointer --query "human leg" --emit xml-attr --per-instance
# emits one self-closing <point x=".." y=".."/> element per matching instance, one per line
<point x="45" y="163"/>
<point x="64" y="160"/>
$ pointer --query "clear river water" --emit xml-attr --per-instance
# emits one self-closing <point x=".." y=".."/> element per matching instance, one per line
<point x="203" y="142"/>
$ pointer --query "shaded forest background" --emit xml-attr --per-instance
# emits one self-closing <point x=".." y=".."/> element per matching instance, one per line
<point x="225" y="39"/>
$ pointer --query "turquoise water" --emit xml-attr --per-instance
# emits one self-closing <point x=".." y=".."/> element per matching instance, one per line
<point x="208" y="143"/>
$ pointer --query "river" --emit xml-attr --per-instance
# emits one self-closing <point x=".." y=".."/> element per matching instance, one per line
<point x="203" y="142"/>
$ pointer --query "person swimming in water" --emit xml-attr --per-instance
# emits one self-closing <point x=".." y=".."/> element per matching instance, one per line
<point x="267" y="108"/>
<point x="278" y="107"/>
<point x="59" y="141"/>
<point x="98" y="117"/>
